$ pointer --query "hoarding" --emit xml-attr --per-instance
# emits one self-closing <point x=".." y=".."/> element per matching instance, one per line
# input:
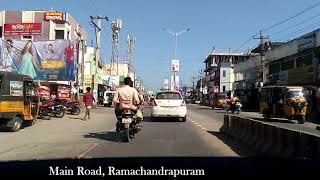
<point x="53" y="16"/>
<point x="22" y="29"/>
<point x="42" y="60"/>
<point x="175" y="83"/>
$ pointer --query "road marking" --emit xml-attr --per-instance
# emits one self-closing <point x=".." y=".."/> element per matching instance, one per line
<point x="86" y="151"/>
<point x="204" y="129"/>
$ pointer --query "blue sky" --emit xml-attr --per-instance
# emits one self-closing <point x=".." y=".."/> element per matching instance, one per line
<point x="222" y="24"/>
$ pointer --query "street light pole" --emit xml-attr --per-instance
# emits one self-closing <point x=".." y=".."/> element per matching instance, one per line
<point x="175" y="34"/>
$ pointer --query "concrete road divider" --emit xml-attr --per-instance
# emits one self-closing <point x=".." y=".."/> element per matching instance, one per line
<point x="267" y="139"/>
<point x="226" y="125"/>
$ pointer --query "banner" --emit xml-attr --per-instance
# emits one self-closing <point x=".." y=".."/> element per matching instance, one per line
<point x="25" y="29"/>
<point x="43" y="60"/>
<point x="44" y="92"/>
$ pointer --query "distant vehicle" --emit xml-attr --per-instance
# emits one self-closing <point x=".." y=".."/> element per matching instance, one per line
<point x="218" y="100"/>
<point x="283" y="101"/>
<point x="169" y="104"/>
<point x="107" y="98"/>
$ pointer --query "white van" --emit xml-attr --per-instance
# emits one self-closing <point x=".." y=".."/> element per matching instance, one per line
<point x="107" y="98"/>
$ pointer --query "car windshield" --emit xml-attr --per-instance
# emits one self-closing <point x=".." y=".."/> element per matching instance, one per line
<point x="169" y="95"/>
<point x="295" y="93"/>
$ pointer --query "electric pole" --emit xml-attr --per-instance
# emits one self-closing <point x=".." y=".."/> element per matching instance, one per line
<point x="97" y="52"/>
<point x="263" y="63"/>
<point x="193" y="78"/>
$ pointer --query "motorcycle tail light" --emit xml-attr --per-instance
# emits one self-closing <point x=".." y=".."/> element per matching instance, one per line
<point x="127" y="111"/>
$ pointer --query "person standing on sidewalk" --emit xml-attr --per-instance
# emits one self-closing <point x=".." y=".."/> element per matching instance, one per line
<point x="88" y="102"/>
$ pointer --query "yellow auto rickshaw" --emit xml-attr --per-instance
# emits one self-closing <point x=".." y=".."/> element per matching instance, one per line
<point x="283" y="101"/>
<point x="218" y="100"/>
<point x="18" y="101"/>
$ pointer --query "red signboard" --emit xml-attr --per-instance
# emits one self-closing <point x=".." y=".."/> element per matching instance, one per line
<point x="54" y="16"/>
<point x="25" y="29"/>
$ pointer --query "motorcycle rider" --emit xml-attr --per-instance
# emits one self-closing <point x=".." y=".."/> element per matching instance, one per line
<point x="125" y="98"/>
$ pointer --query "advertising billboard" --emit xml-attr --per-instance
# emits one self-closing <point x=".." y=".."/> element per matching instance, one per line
<point x="43" y="60"/>
<point x="22" y="29"/>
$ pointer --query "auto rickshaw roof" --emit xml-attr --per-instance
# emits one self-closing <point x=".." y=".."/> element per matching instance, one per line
<point x="14" y="76"/>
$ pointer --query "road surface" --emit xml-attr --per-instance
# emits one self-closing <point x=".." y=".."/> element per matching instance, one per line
<point x="70" y="137"/>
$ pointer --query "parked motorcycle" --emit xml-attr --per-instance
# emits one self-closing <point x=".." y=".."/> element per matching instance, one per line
<point x="129" y="124"/>
<point x="72" y="107"/>
<point x="46" y="110"/>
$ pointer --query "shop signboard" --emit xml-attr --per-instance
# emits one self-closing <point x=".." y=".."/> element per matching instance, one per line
<point x="22" y="29"/>
<point x="54" y="16"/>
<point x="64" y="91"/>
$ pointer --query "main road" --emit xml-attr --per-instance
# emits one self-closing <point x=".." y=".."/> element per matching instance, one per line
<point x="70" y="137"/>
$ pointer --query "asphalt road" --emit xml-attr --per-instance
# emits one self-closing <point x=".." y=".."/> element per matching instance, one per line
<point x="70" y="137"/>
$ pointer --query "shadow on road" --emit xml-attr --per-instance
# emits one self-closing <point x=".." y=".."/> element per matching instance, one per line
<point x="80" y="118"/>
<point x="149" y="119"/>
<point x="107" y="136"/>
<point x="237" y="147"/>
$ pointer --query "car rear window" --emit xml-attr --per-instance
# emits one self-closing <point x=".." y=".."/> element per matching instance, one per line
<point x="174" y="96"/>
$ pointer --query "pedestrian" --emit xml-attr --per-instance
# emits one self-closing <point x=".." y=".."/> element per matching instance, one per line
<point x="88" y="102"/>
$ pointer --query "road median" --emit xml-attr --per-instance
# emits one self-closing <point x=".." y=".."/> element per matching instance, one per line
<point x="267" y="139"/>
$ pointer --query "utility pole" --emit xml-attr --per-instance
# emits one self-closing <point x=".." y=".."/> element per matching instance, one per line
<point x="201" y="88"/>
<point x="97" y="53"/>
<point x="193" y="78"/>
<point x="263" y="63"/>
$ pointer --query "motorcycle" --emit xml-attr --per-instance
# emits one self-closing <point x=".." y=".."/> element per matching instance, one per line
<point x="236" y="107"/>
<point x="72" y="107"/>
<point x="129" y="124"/>
<point x="46" y="110"/>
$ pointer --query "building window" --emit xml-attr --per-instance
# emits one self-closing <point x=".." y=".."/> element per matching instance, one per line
<point x="224" y="88"/>
<point x="287" y="65"/>
<point x="59" y="34"/>
<point x="224" y="73"/>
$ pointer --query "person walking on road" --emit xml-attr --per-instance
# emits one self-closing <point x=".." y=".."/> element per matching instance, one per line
<point x="88" y="102"/>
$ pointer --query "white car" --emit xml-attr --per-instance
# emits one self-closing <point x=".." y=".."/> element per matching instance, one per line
<point x="169" y="104"/>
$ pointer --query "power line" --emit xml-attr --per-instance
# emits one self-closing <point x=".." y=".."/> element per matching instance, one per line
<point x="281" y="22"/>
<point x="302" y="30"/>
<point x="294" y="25"/>
<point x="292" y="17"/>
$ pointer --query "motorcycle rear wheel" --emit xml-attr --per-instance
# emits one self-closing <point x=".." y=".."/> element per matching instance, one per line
<point x="127" y="134"/>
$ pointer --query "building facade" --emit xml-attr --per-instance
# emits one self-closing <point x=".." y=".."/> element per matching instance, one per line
<point x="219" y="70"/>
<point x="295" y="62"/>
<point x="39" y="25"/>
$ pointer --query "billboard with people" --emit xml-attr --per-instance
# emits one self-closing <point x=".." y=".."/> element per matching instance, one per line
<point x="42" y="60"/>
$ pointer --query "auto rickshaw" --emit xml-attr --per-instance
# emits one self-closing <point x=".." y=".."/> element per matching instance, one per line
<point x="310" y="94"/>
<point x="218" y="100"/>
<point x="18" y="101"/>
<point x="283" y="101"/>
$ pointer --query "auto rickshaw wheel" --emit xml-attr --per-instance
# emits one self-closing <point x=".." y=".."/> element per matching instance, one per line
<point x="16" y="124"/>
<point x="301" y="120"/>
